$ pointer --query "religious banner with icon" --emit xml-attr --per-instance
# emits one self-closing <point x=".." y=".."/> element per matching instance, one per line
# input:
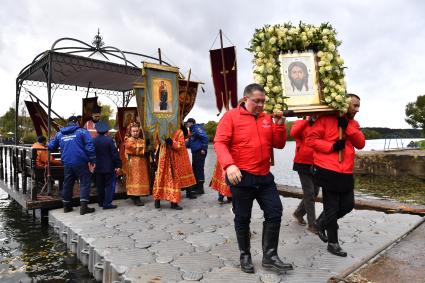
<point x="161" y="100"/>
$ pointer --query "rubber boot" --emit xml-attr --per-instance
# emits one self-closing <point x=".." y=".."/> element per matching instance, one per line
<point x="244" y="244"/>
<point x="271" y="260"/>
<point x="190" y="194"/>
<point x="321" y="227"/>
<point x="84" y="209"/>
<point x="157" y="203"/>
<point x="67" y="207"/>
<point x="200" y="188"/>
<point x="176" y="206"/>
<point x="333" y="245"/>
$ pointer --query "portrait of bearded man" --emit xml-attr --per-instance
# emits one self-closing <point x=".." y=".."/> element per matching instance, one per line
<point x="298" y="76"/>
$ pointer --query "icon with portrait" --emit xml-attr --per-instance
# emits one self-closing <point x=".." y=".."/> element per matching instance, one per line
<point x="162" y="92"/>
<point x="299" y="78"/>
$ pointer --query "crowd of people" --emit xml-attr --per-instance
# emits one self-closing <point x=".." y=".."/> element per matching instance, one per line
<point x="244" y="141"/>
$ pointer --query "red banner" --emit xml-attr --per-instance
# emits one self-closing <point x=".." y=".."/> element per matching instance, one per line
<point x="224" y="78"/>
<point x="187" y="99"/>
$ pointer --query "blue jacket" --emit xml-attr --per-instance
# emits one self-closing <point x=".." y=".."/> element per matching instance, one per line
<point x="198" y="138"/>
<point x="107" y="156"/>
<point x="75" y="144"/>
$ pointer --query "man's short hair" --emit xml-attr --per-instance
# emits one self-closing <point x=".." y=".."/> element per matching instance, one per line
<point x="41" y="139"/>
<point x="249" y="89"/>
<point x="353" y="95"/>
<point x="72" y="119"/>
<point x="191" y="120"/>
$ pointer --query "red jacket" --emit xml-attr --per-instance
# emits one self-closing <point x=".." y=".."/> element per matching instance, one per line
<point x="243" y="140"/>
<point x="303" y="152"/>
<point x="324" y="134"/>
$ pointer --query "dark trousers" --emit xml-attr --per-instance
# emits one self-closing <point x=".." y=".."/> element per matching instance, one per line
<point x="71" y="174"/>
<point x="335" y="206"/>
<point x="198" y="164"/>
<point x="105" y="188"/>
<point x="260" y="188"/>
<point x="310" y="192"/>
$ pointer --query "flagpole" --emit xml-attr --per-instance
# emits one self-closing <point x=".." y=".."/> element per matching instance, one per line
<point x="226" y="103"/>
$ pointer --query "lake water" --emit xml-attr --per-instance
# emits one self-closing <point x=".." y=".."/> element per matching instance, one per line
<point x="30" y="252"/>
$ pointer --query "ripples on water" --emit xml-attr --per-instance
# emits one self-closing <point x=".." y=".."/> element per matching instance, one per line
<point x="31" y="252"/>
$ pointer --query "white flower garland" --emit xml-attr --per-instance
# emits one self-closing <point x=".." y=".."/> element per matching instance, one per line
<point x="268" y="42"/>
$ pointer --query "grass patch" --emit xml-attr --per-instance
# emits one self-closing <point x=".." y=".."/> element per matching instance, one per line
<point x="406" y="189"/>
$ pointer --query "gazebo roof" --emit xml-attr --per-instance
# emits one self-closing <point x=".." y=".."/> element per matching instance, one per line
<point x="74" y="70"/>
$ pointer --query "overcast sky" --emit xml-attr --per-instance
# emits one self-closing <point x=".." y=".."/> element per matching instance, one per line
<point x="383" y="43"/>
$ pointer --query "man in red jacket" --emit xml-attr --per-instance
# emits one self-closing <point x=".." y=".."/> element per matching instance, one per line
<point x="244" y="140"/>
<point x="303" y="162"/>
<point x="335" y="176"/>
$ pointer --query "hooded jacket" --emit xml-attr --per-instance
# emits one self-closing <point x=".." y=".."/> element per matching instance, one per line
<point x="75" y="144"/>
<point x="246" y="141"/>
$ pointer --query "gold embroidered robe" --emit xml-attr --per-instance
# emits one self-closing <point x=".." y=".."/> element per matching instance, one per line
<point x="137" y="177"/>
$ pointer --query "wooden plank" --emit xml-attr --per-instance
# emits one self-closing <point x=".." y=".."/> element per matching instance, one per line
<point x="386" y="206"/>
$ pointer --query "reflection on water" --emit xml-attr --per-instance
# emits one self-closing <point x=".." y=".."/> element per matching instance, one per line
<point x="30" y="252"/>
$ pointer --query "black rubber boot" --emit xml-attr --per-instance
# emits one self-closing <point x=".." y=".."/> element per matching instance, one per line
<point x="176" y="206"/>
<point x="137" y="201"/>
<point x="157" y="203"/>
<point x="84" y="209"/>
<point x="271" y="260"/>
<point x="67" y="207"/>
<point x="200" y="188"/>
<point x="244" y="243"/>
<point x="333" y="245"/>
<point x="321" y="227"/>
<point x="190" y="194"/>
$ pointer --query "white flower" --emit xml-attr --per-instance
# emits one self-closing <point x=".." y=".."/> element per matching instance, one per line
<point x="331" y="47"/>
<point x="269" y="65"/>
<point x="338" y="98"/>
<point x="328" y="68"/>
<point x="320" y="54"/>
<point x="321" y="63"/>
<point x="270" y="78"/>
<point x="267" y="89"/>
<point x="328" y="99"/>
<point x="269" y="70"/>
<point x="260" y="54"/>
<point x="258" y="49"/>
<point x="261" y="35"/>
<point x="304" y="38"/>
<point x="279" y="100"/>
<point x="272" y="40"/>
<point x="333" y="94"/>
<point x="276" y="89"/>
<point x="326" y="31"/>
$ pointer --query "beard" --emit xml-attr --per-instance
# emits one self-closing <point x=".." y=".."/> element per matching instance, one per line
<point x="298" y="84"/>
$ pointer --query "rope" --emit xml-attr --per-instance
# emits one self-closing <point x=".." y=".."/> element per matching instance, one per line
<point x="215" y="39"/>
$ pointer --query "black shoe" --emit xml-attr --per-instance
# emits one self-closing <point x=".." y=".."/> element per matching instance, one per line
<point x="271" y="260"/>
<point x="67" y="207"/>
<point x="320" y="227"/>
<point x="190" y="194"/>
<point x="176" y="206"/>
<point x="229" y="199"/>
<point x="137" y="201"/>
<point x="299" y="218"/>
<point x="220" y="199"/>
<point x="84" y="209"/>
<point x="112" y="206"/>
<point x="157" y="203"/>
<point x="244" y="243"/>
<point x="334" y="248"/>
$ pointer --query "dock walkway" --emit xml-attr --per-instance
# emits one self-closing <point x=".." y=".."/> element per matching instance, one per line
<point x="142" y="244"/>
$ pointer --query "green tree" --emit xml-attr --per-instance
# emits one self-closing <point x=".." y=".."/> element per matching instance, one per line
<point x="371" y="134"/>
<point x="210" y="128"/>
<point x="106" y="115"/>
<point x="7" y="121"/>
<point x="415" y="112"/>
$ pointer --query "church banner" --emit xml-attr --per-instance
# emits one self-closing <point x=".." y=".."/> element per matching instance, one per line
<point x="161" y="101"/>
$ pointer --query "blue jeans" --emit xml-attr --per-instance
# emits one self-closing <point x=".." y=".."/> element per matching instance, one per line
<point x="261" y="188"/>
<point x="71" y="174"/>
<point x="198" y="164"/>
<point x="105" y="185"/>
